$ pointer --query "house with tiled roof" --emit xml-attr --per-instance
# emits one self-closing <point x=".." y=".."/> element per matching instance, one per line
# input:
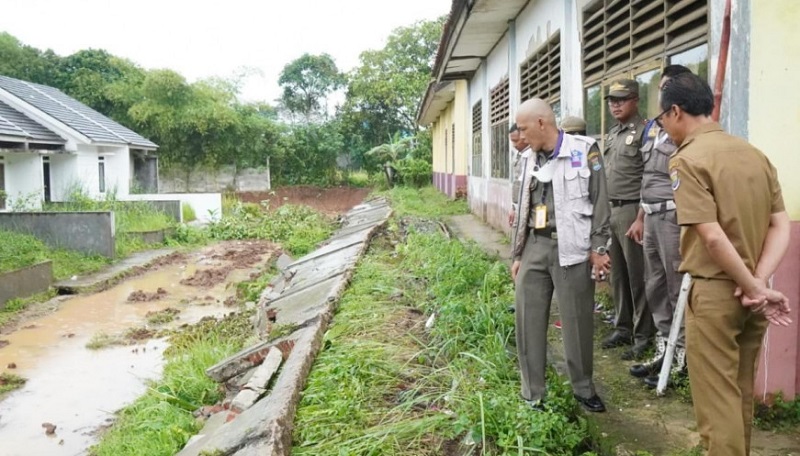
<point x="52" y="145"/>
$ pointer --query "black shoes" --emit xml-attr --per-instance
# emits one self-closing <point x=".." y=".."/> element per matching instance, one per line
<point x="635" y="353"/>
<point x="616" y="339"/>
<point x="593" y="404"/>
<point x="647" y="369"/>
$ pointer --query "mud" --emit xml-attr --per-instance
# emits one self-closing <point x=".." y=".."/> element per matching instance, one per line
<point x="77" y="389"/>
<point x="4" y="343"/>
<point x="331" y="201"/>
<point x="143" y="296"/>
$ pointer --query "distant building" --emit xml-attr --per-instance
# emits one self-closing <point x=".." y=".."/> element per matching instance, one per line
<point x="494" y="55"/>
<point x="51" y="144"/>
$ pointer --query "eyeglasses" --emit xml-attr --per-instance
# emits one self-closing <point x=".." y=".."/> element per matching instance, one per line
<point x="657" y="119"/>
<point x="619" y="101"/>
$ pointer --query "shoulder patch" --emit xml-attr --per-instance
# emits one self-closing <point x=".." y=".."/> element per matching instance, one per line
<point x="676" y="180"/>
<point x="594" y="160"/>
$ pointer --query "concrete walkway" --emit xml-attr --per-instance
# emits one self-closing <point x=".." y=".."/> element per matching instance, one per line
<point x="636" y="419"/>
<point x="493" y="242"/>
<point x="98" y="280"/>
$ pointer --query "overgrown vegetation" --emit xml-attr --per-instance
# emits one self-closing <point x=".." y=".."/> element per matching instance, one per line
<point x="19" y="250"/>
<point x="297" y="228"/>
<point x="782" y="415"/>
<point x="425" y="202"/>
<point x="10" y="382"/>
<point x="161" y="422"/>
<point x="129" y="217"/>
<point x="384" y="386"/>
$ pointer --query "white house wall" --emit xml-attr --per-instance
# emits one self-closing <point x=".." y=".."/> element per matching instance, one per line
<point x="63" y="175"/>
<point x="23" y="180"/>
<point x="118" y="170"/>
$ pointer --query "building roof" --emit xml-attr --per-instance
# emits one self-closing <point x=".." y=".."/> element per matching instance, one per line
<point x="16" y="124"/>
<point x="472" y="30"/>
<point x="75" y="115"/>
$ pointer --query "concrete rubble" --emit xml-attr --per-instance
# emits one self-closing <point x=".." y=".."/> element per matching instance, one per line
<point x="266" y="379"/>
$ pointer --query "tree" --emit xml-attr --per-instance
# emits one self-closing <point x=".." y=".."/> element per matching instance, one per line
<point x="385" y="90"/>
<point x="27" y="63"/>
<point x="307" y="82"/>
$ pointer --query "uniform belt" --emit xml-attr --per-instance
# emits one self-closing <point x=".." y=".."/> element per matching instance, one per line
<point x="657" y="208"/>
<point x="547" y="232"/>
<point x="619" y="202"/>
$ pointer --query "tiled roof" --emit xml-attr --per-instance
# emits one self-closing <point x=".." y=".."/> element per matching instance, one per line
<point x="15" y="123"/>
<point x="74" y="114"/>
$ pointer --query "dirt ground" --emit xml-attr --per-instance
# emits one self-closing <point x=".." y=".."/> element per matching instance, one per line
<point x="331" y="201"/>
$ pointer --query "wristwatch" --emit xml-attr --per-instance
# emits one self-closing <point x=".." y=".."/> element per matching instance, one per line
<point x="601" y="250"/>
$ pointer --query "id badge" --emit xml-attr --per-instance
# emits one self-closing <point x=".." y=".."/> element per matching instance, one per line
<point x="540" y="217"/>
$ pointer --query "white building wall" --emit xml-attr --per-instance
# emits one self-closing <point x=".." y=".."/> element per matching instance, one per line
<point x="118" y="170"/>
<point x="63" y="175"/>
<point x="207" y="206"/>
<point x="497" y="63"/>
<point x="23" y="179"/>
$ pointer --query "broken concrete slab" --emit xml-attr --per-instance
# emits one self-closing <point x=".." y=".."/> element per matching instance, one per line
<point x="305" y="294"/>
<point x="306" y="304"/>
<point x="244" y="400"/>
<point x="248" y="358"/>
<point x="283" y="261"/>
<point x="267" y="425"/>
<point x="99" y="280"/>
<point x="263" y="374"/>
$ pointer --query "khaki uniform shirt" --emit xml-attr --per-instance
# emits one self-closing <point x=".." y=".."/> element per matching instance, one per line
<point x="623" y="160"/>
<point x="720" y="178"/>
<point x="658" y="147"/>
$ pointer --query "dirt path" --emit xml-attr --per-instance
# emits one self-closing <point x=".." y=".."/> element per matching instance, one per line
<point x="51" y="344"/>
<point x="637" y="420"/>
<point x="331" y="201"/>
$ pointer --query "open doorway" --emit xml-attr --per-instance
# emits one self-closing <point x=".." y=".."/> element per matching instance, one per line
<point x="2" y="186"/>
<point x="46" y="178"/>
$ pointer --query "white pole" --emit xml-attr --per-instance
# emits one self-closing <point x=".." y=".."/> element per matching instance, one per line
<point x="674" y="331"/>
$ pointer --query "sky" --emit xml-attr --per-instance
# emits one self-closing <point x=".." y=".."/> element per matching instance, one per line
<point x="222" y="38"/>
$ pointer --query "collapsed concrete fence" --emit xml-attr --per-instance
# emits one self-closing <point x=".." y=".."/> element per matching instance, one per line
<point x="256" y="419"/>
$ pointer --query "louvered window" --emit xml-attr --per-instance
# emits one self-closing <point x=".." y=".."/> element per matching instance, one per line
<point x="498" y="119"/>
<point x="477" y="139"/>
<point x="540" y="74"/>
<point x="619" y="35"/>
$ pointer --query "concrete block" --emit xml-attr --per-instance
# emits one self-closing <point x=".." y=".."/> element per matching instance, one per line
<point x="244" y="400"/>
<point x="267" y="425"/>
<point x="263" y="373"/>
<point x="25" y="282"/>
<point x="87" y="232"/>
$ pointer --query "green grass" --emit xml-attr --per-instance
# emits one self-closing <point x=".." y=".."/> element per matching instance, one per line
<point x="19" y="250"/>
<point x="161" y="422"/>
<point x="187" y="213"/>
<point x="425" y="202"/>
<point x="781" y="415"/>
<point x="382" y="388"/>
<point x="297" y="228"/>
<point x="10" y="382"/>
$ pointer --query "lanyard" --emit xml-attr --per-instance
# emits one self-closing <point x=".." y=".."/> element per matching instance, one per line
<point x="552" y="155"/>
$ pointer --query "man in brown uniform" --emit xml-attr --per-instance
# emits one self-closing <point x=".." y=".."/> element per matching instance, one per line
<point x="735" y="232"/>
<point x="624" y="168"/>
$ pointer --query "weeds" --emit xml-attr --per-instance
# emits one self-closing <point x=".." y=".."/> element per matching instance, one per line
<point x="297" y="228"/>
<point x="161" y="422"/>
<point x="781" y="415"/>
<point x="10" y="382"/>
<point x="383" y="386"/>
<point x="424" y="202"/>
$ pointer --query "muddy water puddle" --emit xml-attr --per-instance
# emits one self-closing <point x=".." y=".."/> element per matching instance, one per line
<point x="78" y="389"/>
